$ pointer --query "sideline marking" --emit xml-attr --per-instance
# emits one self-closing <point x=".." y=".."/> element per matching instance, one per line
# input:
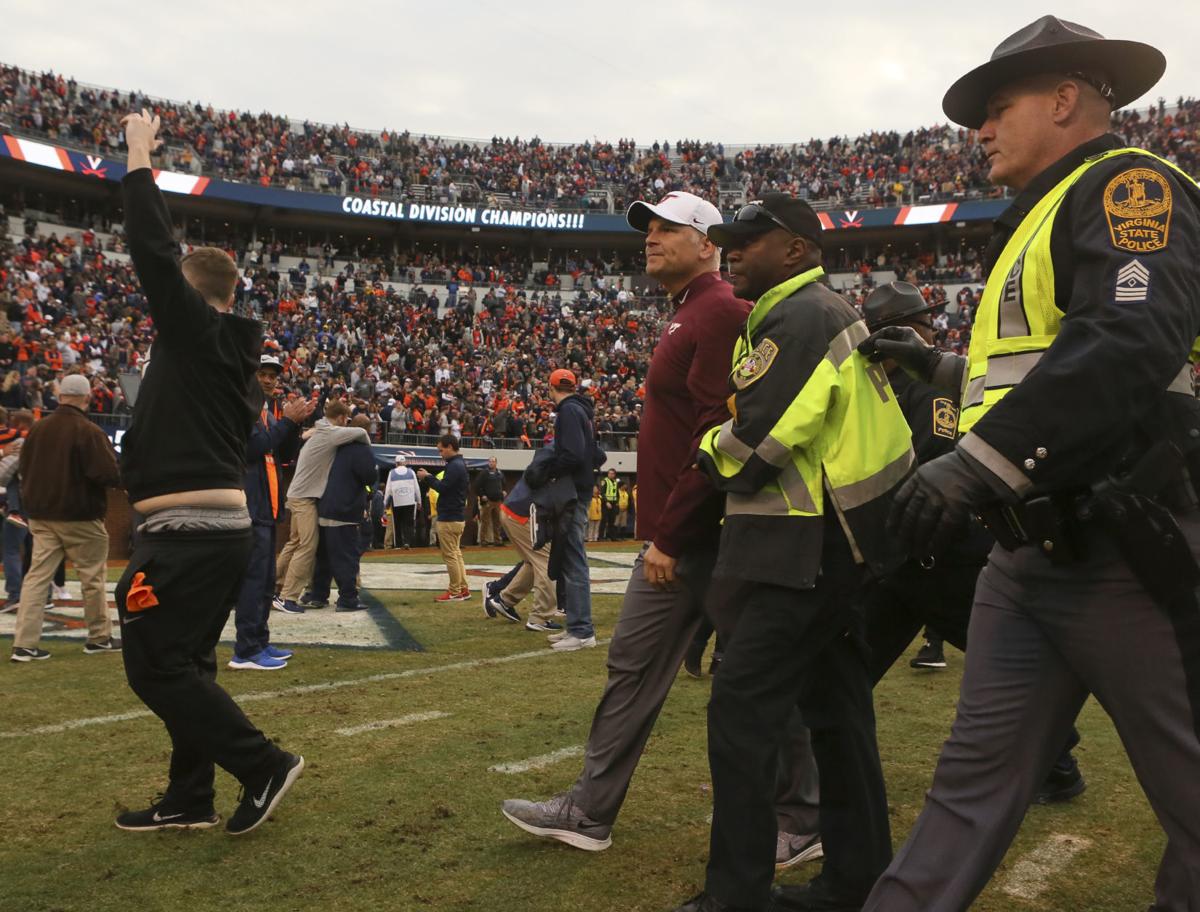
<point x="290" y="691"/>
<point x="392" y="723"/>
<point x="534" y="763"/>
<point x="1030" y="877"/>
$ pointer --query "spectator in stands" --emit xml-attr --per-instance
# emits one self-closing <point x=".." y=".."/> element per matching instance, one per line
<point x="341" y="511"/>
<point x="451" y="485"/>
<point x="295" y="564"/>
<point x="402" y="496"/>
<point x="66" y="465"/>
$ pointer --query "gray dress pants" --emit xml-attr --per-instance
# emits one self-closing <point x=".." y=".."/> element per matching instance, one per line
<point x="1041" y="638"/>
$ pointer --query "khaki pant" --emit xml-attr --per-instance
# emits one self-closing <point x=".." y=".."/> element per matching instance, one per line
<point x="489" y="523"/>
<point x="449" y="536"/>
<point x="295" y="566"/>
<point x="532" y="574"/>
<point x="85" y="544"/>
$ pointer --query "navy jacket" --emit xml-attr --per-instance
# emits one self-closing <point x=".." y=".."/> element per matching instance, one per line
<point x="282" y="438"/>
<point x="352" y="473"/>
<point x="575" y="448"/>
<point x="452" y="491"/>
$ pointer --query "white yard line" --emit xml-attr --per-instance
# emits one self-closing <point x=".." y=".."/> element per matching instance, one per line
<point x="533" y="763"/>
<point x="253" y="697"/>
<point x="1031" y="876"/>
<point x="410" y="719"/>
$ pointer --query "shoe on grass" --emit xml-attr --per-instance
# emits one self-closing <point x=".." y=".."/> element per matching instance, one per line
<point x="260" y="798"/>
<point x="309" y="601"/>
<point x="260" y="661"/>
<point x="276" y="653"/>
<point x="930" y="655"/>
<point x="559" y="818"/>
<point x="163" y="814"/>
<point x="21" y="654"/>
<point x="571" y="642"/>
<point x="793" y="849"/>
<point x="108" y="644"/>
<point x="556" y="637"/>
<point x="547" y="626"/>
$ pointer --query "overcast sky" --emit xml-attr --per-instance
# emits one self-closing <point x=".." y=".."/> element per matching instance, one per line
<point x="742" y="71"/>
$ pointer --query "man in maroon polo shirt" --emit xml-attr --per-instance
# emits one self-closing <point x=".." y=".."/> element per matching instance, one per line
<point x="678" y="518"/>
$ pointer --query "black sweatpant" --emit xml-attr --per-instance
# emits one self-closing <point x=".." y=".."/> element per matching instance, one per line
<point x="796" y="647"/>
<point x="169" y="651"/>
<point x="403" y="530"/>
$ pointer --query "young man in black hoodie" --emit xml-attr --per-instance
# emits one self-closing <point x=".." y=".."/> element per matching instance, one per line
<point x="575" y="458"/>
<point x="183" y="462"/>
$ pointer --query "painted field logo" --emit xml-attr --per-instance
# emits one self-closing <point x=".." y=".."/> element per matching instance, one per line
<point x="1137" y="204"/>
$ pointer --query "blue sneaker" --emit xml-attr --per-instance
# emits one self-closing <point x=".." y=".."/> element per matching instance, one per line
<point x="287" y="606"/>
<point x="260" y="662"/>
<point x="276" y="653"/>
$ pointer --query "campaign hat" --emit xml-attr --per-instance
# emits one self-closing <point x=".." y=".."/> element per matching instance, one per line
<point x="1122" y="71"/>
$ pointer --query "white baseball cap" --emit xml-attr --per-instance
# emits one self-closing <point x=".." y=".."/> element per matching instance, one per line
<point x="401" y="459"/>
<point x="74" y="385"/>
<point x="678" y="207"/>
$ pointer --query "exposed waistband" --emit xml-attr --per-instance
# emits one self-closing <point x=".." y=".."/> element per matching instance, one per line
<point x="196" y="519"/>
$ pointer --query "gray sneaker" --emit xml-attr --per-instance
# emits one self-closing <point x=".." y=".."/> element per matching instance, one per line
<point x="792" y="849"/>
<point x="559" y="818"/>
<point x="571" y="642"/>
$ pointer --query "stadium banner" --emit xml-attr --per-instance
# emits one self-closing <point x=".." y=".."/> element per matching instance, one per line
<point x="466" y="215"/>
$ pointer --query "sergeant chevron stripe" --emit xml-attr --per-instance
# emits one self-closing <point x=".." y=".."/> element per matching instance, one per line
<point x="1133" y="282"/>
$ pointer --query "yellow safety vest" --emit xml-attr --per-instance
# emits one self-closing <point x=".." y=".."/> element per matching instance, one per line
<point x="1018" y="317"/>
<point x="842" y="436"/>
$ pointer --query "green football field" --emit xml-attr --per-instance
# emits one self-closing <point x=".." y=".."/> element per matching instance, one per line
<point x="409" y="755"/>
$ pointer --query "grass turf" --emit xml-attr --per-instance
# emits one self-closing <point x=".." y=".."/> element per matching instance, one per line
<point x="408" y="818"/>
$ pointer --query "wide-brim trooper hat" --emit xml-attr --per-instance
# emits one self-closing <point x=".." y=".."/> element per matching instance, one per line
<point x="1122" y="71"/>
<point x="894" y="303"/>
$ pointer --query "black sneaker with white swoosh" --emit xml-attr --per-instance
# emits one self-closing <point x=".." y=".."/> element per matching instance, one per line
<point x="164" y="815"/>
<point x="260" y="799"/>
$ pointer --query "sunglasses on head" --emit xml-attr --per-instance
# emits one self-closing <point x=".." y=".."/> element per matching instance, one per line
<point x="754" y="211"/>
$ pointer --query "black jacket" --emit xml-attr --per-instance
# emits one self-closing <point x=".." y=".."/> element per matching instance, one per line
<point x="199" y="397"/>
<point x="353" y="472"/>
<point x="452" y="491"/>
<point x="282" y="440"/>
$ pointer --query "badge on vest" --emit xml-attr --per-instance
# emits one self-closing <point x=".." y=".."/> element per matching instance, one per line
<point x="945" y="418"/>
<point x="755" y="364"/>
<point x="1137" y="204"/>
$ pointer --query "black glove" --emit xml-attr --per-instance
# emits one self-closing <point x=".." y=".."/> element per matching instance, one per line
<point x="902" y="345"/>
<point x="937" y="501"/>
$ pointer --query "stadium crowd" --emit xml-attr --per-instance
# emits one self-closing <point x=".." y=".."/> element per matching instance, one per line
<point x="876" y="169"/>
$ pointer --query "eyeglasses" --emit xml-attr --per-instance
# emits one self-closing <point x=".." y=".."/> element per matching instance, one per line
<point x="754" y="211"/>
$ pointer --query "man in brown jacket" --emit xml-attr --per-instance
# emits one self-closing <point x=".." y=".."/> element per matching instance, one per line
<point x="66" y="465"/>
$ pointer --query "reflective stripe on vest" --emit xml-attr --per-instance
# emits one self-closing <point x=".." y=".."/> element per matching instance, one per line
<point x="1018" y="317"/>
<point x="272" y="474"/>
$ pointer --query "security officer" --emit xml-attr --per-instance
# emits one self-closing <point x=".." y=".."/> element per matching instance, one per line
<point x="610" y="492"/>
<point x="1080" y="450"/>
<point x="934" y="592"/>
<point x="809" y="461"/>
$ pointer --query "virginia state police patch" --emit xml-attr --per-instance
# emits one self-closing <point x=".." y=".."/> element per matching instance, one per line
<point x="755" y="364"/>
<point x="1137" y="204"/>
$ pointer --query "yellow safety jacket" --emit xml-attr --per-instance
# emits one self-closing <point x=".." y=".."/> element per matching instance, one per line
<point x="611" y="488"/>
<point x="815" y="424"/>
<point x="1018" y="317"/>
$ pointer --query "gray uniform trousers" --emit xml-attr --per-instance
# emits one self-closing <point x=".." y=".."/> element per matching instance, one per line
<point x="652" y="634"/>
<point x="1041" y="638"/>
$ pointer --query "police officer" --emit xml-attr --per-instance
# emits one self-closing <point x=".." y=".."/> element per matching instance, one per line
<point x="816" y="446"/>
<point x="1079" y="448"/>
<point x="934" y="592"/>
